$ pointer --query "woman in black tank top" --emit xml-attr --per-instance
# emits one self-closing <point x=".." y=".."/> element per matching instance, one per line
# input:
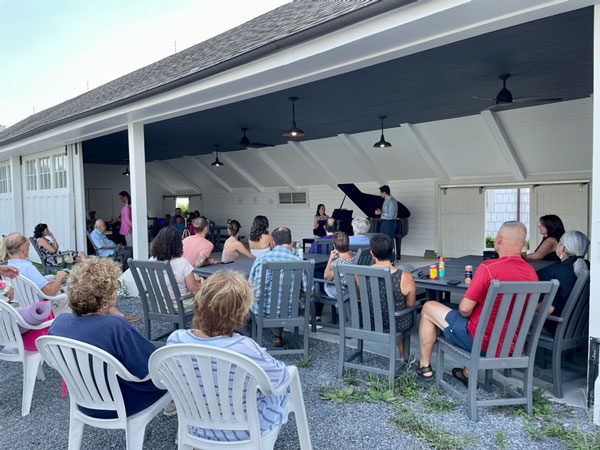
<point x="552" y="229"/>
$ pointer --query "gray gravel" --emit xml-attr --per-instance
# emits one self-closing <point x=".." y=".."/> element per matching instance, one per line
<point x="345" y="426"/>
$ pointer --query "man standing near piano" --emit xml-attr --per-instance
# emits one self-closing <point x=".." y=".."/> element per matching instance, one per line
<point x="388" y="211"/>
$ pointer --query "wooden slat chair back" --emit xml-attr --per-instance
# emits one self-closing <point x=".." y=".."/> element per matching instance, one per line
<point x="516" y="304"/>
<point x="216" y="389"/>
<point x="92" y="377"/>
<point x="362" y="316"/>
<point x="571" y="332"/>
<point x="286" y="308"/>
<point x="354" y="248"/>
<point x="363" y="257"/>
<point x="323" y="246"/>
<point x="152" y="279"/>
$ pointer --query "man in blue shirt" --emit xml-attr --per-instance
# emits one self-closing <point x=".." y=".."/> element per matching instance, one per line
<point x="388" y="212"/>
<point x="329" y="230"/>
<point x="106" y="247"/>
<point x="360" y="228"/>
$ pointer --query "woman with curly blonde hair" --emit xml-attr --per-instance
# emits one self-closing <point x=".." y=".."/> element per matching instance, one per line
<point x="92" y="291"/>
<point x="220" y="307"/>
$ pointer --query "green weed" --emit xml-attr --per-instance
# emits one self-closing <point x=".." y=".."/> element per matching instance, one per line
<point x="303" y="363"/>
<point x="501" y="439"/>
<point x="573" y="438"/>
<point x="533" y="430"/>
<point x="406" y="385"/>
<point x="338" y="396"/>
<point x="434" y="403"/>
<point x="350" y="377"/>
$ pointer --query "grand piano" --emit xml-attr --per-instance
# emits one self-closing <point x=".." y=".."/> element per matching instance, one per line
<point x="368" y="203"/>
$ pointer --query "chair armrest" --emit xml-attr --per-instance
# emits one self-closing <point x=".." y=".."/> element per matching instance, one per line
<point x="323" y="281"/>
<point x="282" y="388"/>
<point x="555" y="319"/>
<point x="23" y="324"/>
<point x="56" y="297"/>
<point x="405" y="311"/>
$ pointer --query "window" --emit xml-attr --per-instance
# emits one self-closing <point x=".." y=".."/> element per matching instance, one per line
<point x="5" y="180"/>
<point x="45" y="172"/>
<point x="59" y="167"/>
<point x="31" y="175"/>
<point x="292" y="198"/>
<point x="502" y="205"/>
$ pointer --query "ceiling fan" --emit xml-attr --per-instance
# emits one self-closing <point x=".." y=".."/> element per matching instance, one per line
<point x="245" y="141"/>
<point x="504" y="98"/>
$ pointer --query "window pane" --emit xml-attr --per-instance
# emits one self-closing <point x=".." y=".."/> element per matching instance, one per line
<point x="31" y="175"/>
<point x="45" y="172"/>
<point x="60" y="171"/>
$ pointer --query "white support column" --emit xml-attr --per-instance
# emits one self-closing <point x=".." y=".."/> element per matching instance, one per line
<point x="206" y="171"/>
<point x="139" y="207"/>
<point x="284" y="176"/>
<point x="326" y="175"/>
<point x="170" y="167"/>
<point x="363" y="158"/>
<point x="232" y="163"/>
<point x="595" y="213"/>
<point x="425" y="151"/>
<point x="504" y="144"/>
<point x="17" y="194"/>
<point x="78" y="189"/>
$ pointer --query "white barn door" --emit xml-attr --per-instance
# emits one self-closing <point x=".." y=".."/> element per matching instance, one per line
<point x="47" y="196"/>
<point x="462" y="222"/>
<point x="7" y="213"/>
<point x="568" y="201"/>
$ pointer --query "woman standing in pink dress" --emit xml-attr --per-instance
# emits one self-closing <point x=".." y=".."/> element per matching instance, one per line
<point x="126" y="227"/>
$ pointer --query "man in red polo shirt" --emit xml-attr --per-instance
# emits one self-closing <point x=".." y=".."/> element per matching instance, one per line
<point x="459" y="326"/>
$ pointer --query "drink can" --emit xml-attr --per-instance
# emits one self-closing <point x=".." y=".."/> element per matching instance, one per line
<point x="442" y="267"/>
<point x="468" y="274"/>
<point x="433" y="272"/>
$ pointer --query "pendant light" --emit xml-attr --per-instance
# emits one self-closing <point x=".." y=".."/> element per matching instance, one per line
<point x="382" y="143"/>
<point x="126" y="173"/>
<point x="294" y="131"/>
<point x="244" y="140"/>
<point x="216" y="162"/>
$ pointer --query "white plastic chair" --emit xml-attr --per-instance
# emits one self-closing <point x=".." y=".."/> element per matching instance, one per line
<point x="27" y="293"/>
<point x="91" y="375"/>
<point x="183" y="368"/>
<point x="10" y="336"/>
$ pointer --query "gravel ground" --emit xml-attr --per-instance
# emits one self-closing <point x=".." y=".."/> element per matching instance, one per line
<point x="348" y="425"/>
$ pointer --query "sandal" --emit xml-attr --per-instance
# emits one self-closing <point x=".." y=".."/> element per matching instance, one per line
<point x="459" y="374"/>
<point x="421" y="371"/>
<point x="278" y="342"/>
<point x="131" y="319"/>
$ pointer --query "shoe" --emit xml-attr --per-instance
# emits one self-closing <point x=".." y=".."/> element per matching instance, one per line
<point x="421" y="371"/>
<point x="459" y="374"/>
<point x="131" y="319"/>
<point x="170" y="410"/>
<point x="278" y="342"/>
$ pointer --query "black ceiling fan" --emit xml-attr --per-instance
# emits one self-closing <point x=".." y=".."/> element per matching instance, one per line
<point x="504" y="99"/>
<point x="245" y="141"/>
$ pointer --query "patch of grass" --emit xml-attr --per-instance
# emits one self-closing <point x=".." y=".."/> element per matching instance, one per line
<point x="350" y="377"/>
<point x="303" y="363"/>
<point x="533" y="430"/>
<point x="436" y="438"/>
<point x="346" y="395"/>
<point x="406" y="385"/>
<point x="434" y="403"/>
<point x="541" y="405"/>
<point x="501" y="439"/>
<point x="387" y="396"/>
<point x="573" y="438"/>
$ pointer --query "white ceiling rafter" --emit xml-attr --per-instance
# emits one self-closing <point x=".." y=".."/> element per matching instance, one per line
<point x="425" y="151"/>
<point x="304" y="153"/>
<point x="363" y="158"/>
<point x="169" y="166"/>
<point x="235" y="166"/>
<point x="164" y="182"/>
<point x="285" y="178"/>
<point x="206" y="171"/>
<point x="504" y="144"/>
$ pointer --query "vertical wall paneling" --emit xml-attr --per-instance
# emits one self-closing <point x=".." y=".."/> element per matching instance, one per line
<point x="462" y="222"/>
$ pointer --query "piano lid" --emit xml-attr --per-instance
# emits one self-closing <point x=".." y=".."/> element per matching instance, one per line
<point x="368" y="203"/>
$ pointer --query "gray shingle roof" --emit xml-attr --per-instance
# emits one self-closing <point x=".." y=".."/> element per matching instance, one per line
<point x="287" y="21"/>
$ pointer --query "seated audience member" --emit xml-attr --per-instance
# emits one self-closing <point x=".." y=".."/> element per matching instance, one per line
<point x="260" y="241"/>
<point x="360" y="228"/>
<point x="106" y="247"/>
<point x="179" y="224"/>
<point x="552" y="229"/>
<point x="167" y="246"/>
<point x="92" y="292"/>
<point x="319" y="221"/>
<point x="459" y="326"/>
<point x="329" y="230"/>
<point x="403" y="285"/>
<point x="233" y="247"/>
<point x="49" y="245"/>
<point x="190" y="226"/>
<point x="173" y="219"/>
<point x="220" y="307"/>
<point x="571" y="250"/>
<point x="339" y="255"/>
<point x="196" y="248"/>
<point x="7" y="271"/>
<point x="283" y="251"/>
<point x="167" y="220"/>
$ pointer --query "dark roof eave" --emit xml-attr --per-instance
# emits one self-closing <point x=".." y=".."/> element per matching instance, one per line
<point x="331" y="25"/>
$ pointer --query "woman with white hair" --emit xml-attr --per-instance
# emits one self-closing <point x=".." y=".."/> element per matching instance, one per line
<point x="360" y="228"/>
<point x="571" y="250"/>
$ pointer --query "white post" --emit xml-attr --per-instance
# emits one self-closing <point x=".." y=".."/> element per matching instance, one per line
<point x="17" y="194"/>
<point x="595" y="216"/>
<point x="139" y="208"/>
<point x="78" y="196"/>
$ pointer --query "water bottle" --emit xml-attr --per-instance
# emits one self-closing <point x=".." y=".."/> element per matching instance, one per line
<point x="299" y="250"/>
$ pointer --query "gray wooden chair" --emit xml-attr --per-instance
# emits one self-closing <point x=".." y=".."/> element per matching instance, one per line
<point x="571" y="332"/>
<point x="61" y="257"/>
<point x="323" y="246"/>
<point x="96" y="249"/>
<point x="354" y="248"/>
<point x="151" y="278"/>
<point x="362" y="317"/>
<point x="363" y="257"/>
<point x="288" y="310"/>
<point x="517" y="304"/>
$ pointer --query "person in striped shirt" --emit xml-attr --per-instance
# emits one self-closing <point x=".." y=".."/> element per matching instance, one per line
<point x="220" y="307"/>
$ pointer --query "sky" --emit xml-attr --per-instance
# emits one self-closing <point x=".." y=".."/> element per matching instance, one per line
<point x="51" y="51"/>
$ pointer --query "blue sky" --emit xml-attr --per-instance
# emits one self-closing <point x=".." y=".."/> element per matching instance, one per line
<point x="53" y="50"/>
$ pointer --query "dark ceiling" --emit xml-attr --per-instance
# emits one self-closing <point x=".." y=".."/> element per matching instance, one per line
<point x="551" y="57"/>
